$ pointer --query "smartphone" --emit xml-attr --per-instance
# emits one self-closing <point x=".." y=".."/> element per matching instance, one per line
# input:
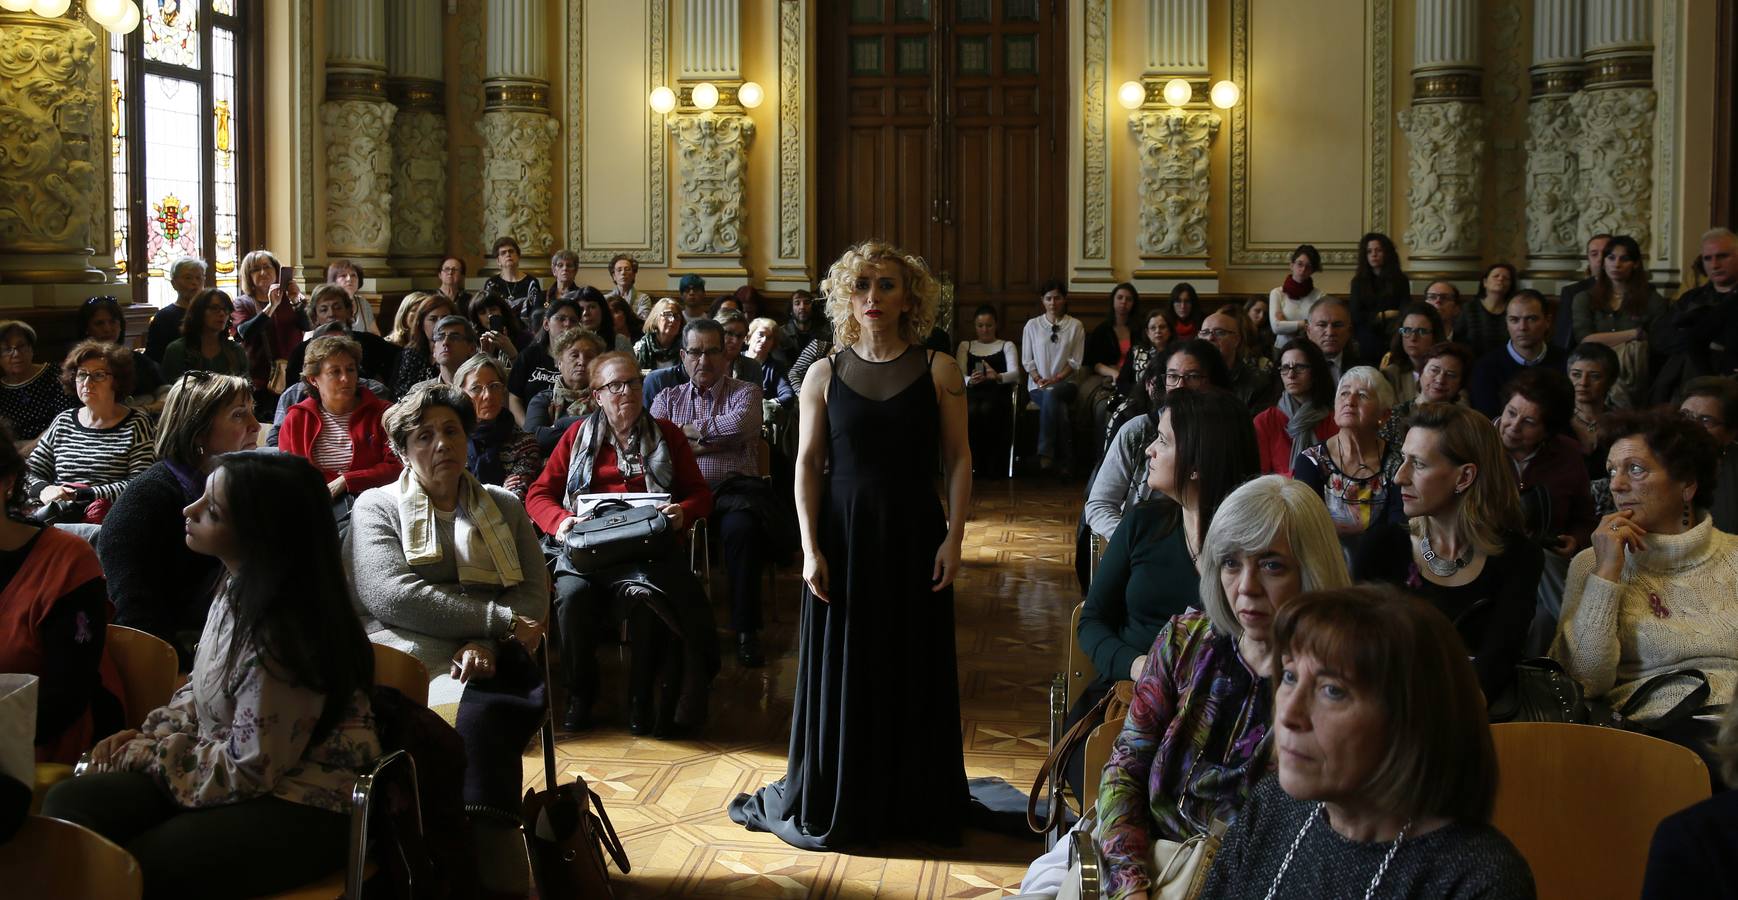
<point x="495" y="322"/>
<point x="286" y="276"/>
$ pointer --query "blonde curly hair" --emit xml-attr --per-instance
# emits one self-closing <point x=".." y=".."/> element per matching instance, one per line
<point x="921" y="288"/>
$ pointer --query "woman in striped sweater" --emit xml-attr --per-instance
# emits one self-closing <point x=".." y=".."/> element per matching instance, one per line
<point x="90" y="453"/>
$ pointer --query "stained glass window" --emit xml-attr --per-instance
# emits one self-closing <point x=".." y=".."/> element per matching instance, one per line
<point x="178" y="159"/>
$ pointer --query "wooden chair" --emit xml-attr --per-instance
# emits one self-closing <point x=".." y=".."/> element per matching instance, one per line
<point x="1581" y="803"/>
<point x="1080" y="670"/>
<point x="346" y="883"/>
<point x="402" y="672"/>
<point x="55" y="858"/>
<point x="1093" y="757"/>
<point x="148" y="670"/>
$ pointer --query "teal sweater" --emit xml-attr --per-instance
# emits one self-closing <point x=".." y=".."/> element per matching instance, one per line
<point x="1144" y="579"/>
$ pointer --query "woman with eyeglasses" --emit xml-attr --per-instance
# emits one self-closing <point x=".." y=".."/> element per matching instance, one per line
<point x="101" y="319"/>
<point x="661" y="346"/>
<point x="1447" y="368"/>
<point x="1593" y="372"/>
<point x="1303" y="417"/>
<point x="30" y="392"/>
<point x="1288" y="306"/>
<point x="452" y="279"/>
<point x="416" y="364"/>
<point x="204" y="343"/>
<point x="620" y="448"/>
<point x="1420" y="329"/>
<point x="570" y="398"/>
<point x="90" y="453"/>
<point x="500" y="452"/>
<point x="338" y="426"/>
<point x="1354" y="469"/>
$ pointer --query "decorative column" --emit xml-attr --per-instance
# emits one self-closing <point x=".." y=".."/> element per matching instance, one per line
<point x="1174" y="142"/>
<point x="1444" y="128"/>
<point x="1614" y="149"/>
<point x="1553" y="129"/>
<point x="790" y="268"/>
<point x="53" y="158"/>
<point x="356" y="121"/>
<point x="518" y="132"/>
<point x="419" y="137"/>
<point x="1089" y="173"/>
<point x="711" y="146"/>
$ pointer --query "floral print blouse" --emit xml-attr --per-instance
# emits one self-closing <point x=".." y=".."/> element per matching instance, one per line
<point x="1193" y="747"/>
<point x="224" y="740"/>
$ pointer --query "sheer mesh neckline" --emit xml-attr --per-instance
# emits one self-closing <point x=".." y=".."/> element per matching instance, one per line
<point x="880" y="381"/>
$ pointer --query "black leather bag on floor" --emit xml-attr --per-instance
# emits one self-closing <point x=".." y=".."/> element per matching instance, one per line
<point x="567" y="831"/>
<point x="618" y="532"/>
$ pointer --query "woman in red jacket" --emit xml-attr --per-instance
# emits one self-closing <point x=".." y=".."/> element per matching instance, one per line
<point x="1304" y="415"/>
<point x="338" y="427"/>
<point x="619" y="449"/>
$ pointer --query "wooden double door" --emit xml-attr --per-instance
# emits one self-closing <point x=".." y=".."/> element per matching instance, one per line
<point x="943" y="128"/>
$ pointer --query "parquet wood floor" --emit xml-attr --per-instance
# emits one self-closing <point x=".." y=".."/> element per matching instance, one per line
<point x="668" y="799"/>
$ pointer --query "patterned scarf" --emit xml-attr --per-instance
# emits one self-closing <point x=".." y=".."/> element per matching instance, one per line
<point x="648" y="456"/>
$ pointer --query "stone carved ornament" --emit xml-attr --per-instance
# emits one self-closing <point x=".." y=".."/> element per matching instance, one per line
<point x="358" y="176"/>
<point x="419" y="183"/>
<point x="518" y="174"/>
<point x="1445" y="167"/>
<point x="1614" y="152"/>
<point x="49" y="173"/>
<point x="790" y="129"/>
<point x="1174" y="188"/>
<point x="1551" y="177"/>
<point x="712" y="151"/>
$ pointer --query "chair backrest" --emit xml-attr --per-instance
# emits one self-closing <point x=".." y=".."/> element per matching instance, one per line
<point x="1093" y="757"/>
<point x="402" y="672"/>
<point x="147" y="666"/>
<point x="1080" y="670"/>
<point x="55" y="858"/>
<point x="1581" y="803"/>
<point x="763" y="458"/>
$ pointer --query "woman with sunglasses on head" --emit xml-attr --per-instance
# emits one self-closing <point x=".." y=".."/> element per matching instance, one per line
<point x="101" y="319"/>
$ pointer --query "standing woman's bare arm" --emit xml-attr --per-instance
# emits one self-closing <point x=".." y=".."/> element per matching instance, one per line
<point x="956" y="465"/>
<point x="810" y="463"/>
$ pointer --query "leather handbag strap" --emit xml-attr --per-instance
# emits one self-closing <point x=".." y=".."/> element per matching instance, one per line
<point x="1684" y="709"/>
<point x="607" y="836"/>
<point x="548" y="718"/>
<point x="1051" y="771"/>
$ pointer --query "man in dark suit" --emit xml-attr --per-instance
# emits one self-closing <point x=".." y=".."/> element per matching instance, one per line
<point x="1529" y="346"/>
<point x="1330" y="327"/>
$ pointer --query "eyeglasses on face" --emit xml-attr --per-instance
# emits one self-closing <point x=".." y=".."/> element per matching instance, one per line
<point x="618" y="388"/>
<point x="448" y="337"/>
<point x="92" y="377"/>
<point x="492" y="389"/>
<point x="709" y="352"/>
<point x="1173" y="379"/>
<point x="1293" y="368"/>
<point x="1438" y="295"/>
<point x="1407" y="331"/>
<point x="18" y="349"/>
<point x="1214" y="334"/>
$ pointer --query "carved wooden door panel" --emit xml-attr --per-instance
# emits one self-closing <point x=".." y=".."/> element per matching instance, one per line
<point x="942" y="129"/>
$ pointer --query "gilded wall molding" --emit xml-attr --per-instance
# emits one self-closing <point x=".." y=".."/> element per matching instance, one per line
<point x="466" y="141"/>
<point x="1095" y="197"/>
<point x="654" y="251"/>
<point x="419" y="185"/>
<point x="712" y="150"/>
<point x="53" y="159"/>
<point x="1174" y="149"/>
<point x="1551" y="179"/>
<point x="1445" y="151"/>
<point x="358" y="176"/>
<point x="518" y="177"/>
<point x="1507" y="54"/>
<point x="790" y="130"/>
<point x="305" y="127"/>
<point x="1665" y="253"/>
<point x="1377" y="142"/>
<point x="1615" y="156"/>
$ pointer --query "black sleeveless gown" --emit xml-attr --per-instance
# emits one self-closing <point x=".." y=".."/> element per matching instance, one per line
<point x="875" y="752"/>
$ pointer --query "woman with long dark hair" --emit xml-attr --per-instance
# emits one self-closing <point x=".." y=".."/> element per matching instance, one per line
<point x="1288" y="306"/>
<point x="1379" y="291"/>
<point x="1420" y="330"/>
<point x="1618" y="311"/>
<point x="243" y="780"/>
<point x="204" y="343"/>
<point x="1186" y="313"/>
<point x="1304" y="415"/>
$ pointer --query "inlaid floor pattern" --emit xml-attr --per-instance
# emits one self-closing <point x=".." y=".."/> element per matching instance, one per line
<point x="668" y="799"/>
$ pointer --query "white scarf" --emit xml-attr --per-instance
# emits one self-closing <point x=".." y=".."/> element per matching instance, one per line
<point x="483" y="541"/>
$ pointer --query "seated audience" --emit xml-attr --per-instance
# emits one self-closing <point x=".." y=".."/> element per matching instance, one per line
<point x="720" y="416"/>
<point x="803" y="326"/>
<point x="1444" y="297"/>
<point x="100" y="319"/>
<point x="157" y="583"/>
<point x="1712" y="337"/>
<point x="1593" y="370"/>
<point x="1712" y="402"/>
<point x="626" y="324"/>
<point x="1303" y="417"/>
<point x="1330" y="328"/>
<point x="31" y="395"/>
<point x="1534" y="428"/>
<point x="692" y="293"/>
<point x="624" y="270"/>
<point x="1203" y="448"/>
<point x="1289" y="305"/>
<point x="204" y="343"/>
<point x="1420" y="329"/>
<point x="1463" y="549"/>
<point x="1446" y="369"/>
<point x="570" y="397"/>
<point x="1260" y="330"/>
<point x="594" y="314"/>
<point x="521" y="289"/>
<point x="187" y="278"/>
<point x="272" y="332"/>
<point x="621" y="448"/>
<point x="1654" y="592"/>
<point x="1252" y="378"/>
<point x="348" y="275"/>
<point x="1186" y="312"/>
<point x="450" y="571"/>
<point x="89" y="454"/>
<point x="56" y="607"/>
<point x="1563" y="332"/>
<point x="1484" y="323"/>
<point x="736" y="364"/>
<point x="454" y="340"/>
<point x="452" y="282"/>
<point x="1695" y="852"/>
<point x="762" y="341"/>
<point x="1380" y="290"/>
<point x="818" y="349"/>
<point x="1353" y="471"/>
<point x="500" y="453"/>
<point x="563" y="266"/>
<point x="499" y="331"/>
<point x="332" y="304"/>
<point x="992" y="368"/>
<point x="339" y="426"/>
<point x="1529" y="346"/>
<point x="1196" y="741"/>
<point x="416" y="364"/>
<point x="536" y="369"/>
<point x="1386" y="770"/>
<point x="1143" y="368"/>
<point x="661" y="345"/>
<point x="1108" y="345"/>
<point x="1052" y="346"/>
<point x="241" y="784"/>
<point x="300" y="390"/>
<point x="1618" y="311"/>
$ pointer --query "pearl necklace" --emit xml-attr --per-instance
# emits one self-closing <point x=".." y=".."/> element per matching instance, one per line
<point x="1381" y="870"/>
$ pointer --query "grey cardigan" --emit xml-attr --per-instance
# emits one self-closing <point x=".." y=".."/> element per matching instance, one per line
<point x="423" y="610"/>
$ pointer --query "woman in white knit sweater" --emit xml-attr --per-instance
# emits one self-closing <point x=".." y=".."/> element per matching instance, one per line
<point x="1655" y="593"/>
<point x="1288" y="305"/>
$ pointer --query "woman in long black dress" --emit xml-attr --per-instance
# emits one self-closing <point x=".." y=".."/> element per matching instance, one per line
<point x="877" y="695"/>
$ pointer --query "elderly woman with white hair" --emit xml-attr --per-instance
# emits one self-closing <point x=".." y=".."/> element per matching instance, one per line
<point x="1353" y="471"/>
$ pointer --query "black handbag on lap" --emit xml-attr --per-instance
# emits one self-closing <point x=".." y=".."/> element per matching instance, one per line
<point x="618" y="532"/>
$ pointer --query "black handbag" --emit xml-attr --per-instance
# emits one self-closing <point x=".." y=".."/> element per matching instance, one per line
<point x="1543" y="692"/>
<point x="618" y="532"/>
<point x="566" y="829"/>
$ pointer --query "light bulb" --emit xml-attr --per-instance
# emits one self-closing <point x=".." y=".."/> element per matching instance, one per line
<point x="107" y="13"/>
<point x="1178" y="92"/>
<point x="1225" y="94"/>
<point x="750" y="95"/>
<point x="705" y="95"/>
<point x="126" y="25"/>
<point x="15" y="5"/>
<point x="1131" y="95"/>
<point x="663" y="100"/>
<point x="50" y="9"/>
